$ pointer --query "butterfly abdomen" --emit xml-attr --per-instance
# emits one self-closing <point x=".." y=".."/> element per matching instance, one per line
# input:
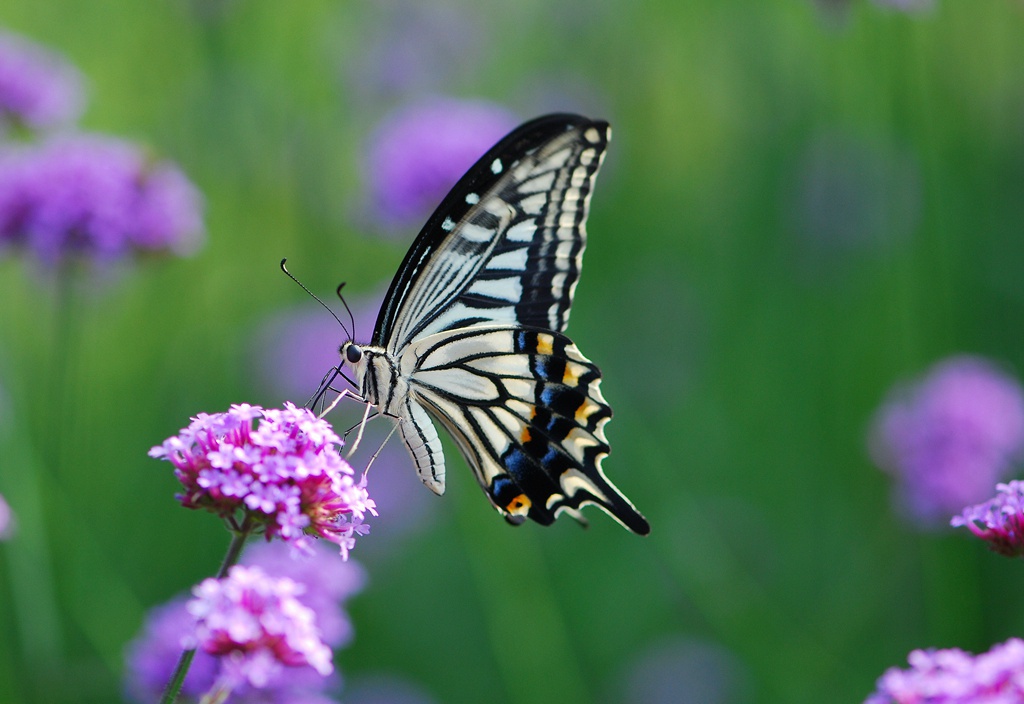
<point x="384" y="386"/>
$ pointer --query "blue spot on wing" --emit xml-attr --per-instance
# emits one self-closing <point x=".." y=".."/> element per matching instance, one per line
<point x="518" y="463"/>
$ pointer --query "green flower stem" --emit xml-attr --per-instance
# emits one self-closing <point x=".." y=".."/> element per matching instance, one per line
<point x="238" y="539"/>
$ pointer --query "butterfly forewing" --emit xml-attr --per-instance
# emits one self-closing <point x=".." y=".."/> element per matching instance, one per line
<point x="506" y="244"/>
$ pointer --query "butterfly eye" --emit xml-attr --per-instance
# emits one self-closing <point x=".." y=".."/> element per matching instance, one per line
<point x="353" y="354"/>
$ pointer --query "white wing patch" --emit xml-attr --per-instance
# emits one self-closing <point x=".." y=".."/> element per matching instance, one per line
<point x="510" y="289"/>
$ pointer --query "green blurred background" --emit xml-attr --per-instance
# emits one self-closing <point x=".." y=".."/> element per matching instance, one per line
<point x="747" y="323"/>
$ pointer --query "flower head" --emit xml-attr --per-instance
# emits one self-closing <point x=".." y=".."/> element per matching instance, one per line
<point x="38" y="88"/>
<point x="256" y="625"/>
<point x="950" y="436"/>
<point x="284" y="478"/>
<point x="418" y="153"/>
<point x="953" y="676"/>
<point x="95" y="196"/>
<point x="326" y="583"/>
<point x="998" y="521"/>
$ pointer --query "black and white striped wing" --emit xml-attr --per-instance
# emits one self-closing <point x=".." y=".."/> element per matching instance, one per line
<point x="525" y="407"/>
<point x="506" y="244"/>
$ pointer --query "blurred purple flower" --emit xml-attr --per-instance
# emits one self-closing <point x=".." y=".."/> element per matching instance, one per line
<point x="255" y="624"/>
<point x="834" y="12"/>
<point x="853" y="194"/>
<point x="684" y="669"/>
<point x="327" y="582"/>
<point x="416" y="154"/>
<point x="406" y="48"/>
<point x="950" y="436"/>
<point x="284" y="479"/>
<point x="998" y="521"/>
<point x="211" y="12"/>
<point x="906" y="5"/>
<point x="38" y="88"/>
<point x="953" y="676"/>
<point x="95" y="196"/>
<point x="6" y="519"/>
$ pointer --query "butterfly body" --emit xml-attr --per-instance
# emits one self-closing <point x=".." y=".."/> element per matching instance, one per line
<point x="471" y="331"/>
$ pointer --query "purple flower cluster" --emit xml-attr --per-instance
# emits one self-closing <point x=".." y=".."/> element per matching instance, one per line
<point x="284" y="479"/>
<point x="327" y="583"/>
<point x="950" y="437"/>
<point x="96" y="196"/>
<point x="953" y="676"/>
<point x="256" y="625"/>
<point x="38" y="88"/>
<point x="418" y="153"/>
<point x="998" y="521"/>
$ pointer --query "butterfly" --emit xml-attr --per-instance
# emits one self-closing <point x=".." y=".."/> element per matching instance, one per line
<point x="470" y="333"/>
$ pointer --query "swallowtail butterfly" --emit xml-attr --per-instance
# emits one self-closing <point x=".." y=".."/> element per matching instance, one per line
<point x="471" y="331"/>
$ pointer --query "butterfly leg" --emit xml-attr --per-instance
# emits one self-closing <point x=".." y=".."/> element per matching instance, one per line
<point x="362" y="425"/>
<point x="344" y="394"/>
<point x="394" y="427"/>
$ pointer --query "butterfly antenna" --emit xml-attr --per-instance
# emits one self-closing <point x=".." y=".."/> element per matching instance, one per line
<point x="317" y="299"/>
<point x="351" y="318"/>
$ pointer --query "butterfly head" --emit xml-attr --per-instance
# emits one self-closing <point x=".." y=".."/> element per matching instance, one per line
<point x="351" y="353"/>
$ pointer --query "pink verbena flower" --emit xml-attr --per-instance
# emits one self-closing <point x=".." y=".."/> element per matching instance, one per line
<point x="284" y="478"/>
<point x="98" y="197"/>
<point x="38" y="88"/>
<point x="953" y="676"/>
<point x="998" y="521"/>
<point x="257" y="626"/>
<point x="950" y="436"/>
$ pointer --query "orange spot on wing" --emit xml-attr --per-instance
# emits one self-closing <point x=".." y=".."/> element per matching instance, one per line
<point x="519" y="506"/>
<point x="545" y="343"/>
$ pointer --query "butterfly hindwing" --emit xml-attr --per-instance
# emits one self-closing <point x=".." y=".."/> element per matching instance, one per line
<point x="526" y="409"/>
